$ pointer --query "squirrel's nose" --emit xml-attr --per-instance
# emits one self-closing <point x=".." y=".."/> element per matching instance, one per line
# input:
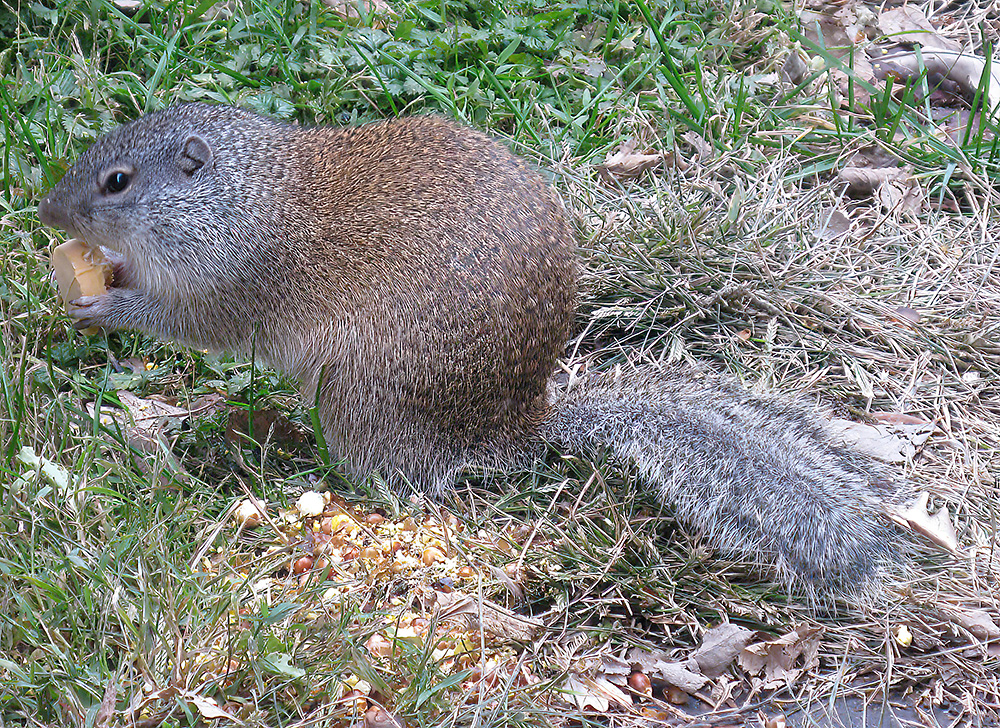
<point x="45" y="212"/>
<point x="52" y="215"/>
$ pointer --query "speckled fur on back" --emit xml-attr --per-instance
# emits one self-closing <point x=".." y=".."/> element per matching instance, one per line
<point x="419" y="281"/>
<point x="414" y="270"/>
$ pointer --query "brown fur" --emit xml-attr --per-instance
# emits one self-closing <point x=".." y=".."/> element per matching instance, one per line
<point x="419" y="281"/>
<point x="416" y="271"/>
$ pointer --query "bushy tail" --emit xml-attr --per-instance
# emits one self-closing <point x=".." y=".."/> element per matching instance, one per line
<point x="758" y="475"/>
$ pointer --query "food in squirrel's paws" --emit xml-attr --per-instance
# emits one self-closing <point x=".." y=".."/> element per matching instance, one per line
<point x="80" y="271"/>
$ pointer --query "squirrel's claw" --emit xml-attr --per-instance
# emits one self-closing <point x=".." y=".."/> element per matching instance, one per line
<point x="89" y="312"/>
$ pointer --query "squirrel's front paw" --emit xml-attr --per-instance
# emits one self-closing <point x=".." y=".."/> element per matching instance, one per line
<point x="92" y="312"/>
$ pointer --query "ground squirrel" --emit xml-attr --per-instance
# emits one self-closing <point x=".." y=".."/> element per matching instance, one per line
<point x="424" y="279"/>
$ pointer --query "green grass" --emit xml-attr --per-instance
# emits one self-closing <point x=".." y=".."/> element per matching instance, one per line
<point x="720" y="259"/>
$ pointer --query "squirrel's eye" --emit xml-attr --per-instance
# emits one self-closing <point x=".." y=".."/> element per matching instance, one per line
<point x="116" y="182"/>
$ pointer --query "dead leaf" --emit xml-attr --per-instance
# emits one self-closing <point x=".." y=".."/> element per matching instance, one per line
<point x="914" y="201"/>
<point x="835" y="30"/>
<point x="906" y="315"/>
<point x="834" y="224"/>
<point x="908" y="25"/>
<point x="149" y="415"/>
<point x="351" y="9"/>
<point x="578" y="689"/>
<point x="675" y="696"/>
<point x="863" y="70"/>
<point x="894" y="441"/>
<point x="628" y="163"/>
<point x="654" y="713"/>
<point x="719" y="647"/>
<point x="899" y="418"/>
<point x="107" y="710"/>
<point x="615" y="668"/>
<point x="785" y="659"/>
<point x="977" y="621"/>
<point x="864" y="181"/>
<point x="378" y="717"/>
<point x="208" y="708"/>
<point x="964" y="69"/>
<point x="890" y="195"/>
<point x="878" y="441"/>
<point x="874" y="157"/>
<point x="795" y="68"/>
<point x="775" y="721"/>
<point x="702" y="147"/>
<point x="268" y="425"/>
<point x="473" y="614"/>
<point x="660" y="670"/>
<point x="134" y="365"/>
<point x="143" y="421"/>
<point x="938" y="528"/>
<point x="612" y="692"/>
<point x="207" y="405"/>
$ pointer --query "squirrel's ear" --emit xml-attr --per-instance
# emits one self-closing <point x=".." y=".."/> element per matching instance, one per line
<point x="194" y="155"/>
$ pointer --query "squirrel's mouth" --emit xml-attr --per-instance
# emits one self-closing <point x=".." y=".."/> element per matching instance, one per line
<point x="120" y="267"/>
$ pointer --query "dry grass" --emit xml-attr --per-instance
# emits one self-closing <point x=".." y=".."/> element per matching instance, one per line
<point x="730" y="259"/>
<point x="757" y="282"/>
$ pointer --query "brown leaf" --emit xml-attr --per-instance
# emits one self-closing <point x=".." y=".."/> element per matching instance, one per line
<point x="615" y="667"/>
<point x="775" y="721"/>
<point x="964" y="69"/>
<point x="898" y="418"/>
<point x="864" y="181"/>
<point x="977" y="621"/>
<point x="831" y="29"/>
<point x="586" y="694"/>
<point x="626" y="162"/>
<point x="907" y="315"/>
<point x="719" y="647"/>
<point x="908" y="25"/>
<point x="663" y="671"/>
<point x="349" y="9"/>
<point x="795" y="68"/>
<point x="894" y="187"/>
<point x="873" y="156"/>
<point x="834" y="224"/>
<point x="378" y="717"/>
<point x="107" y="710"/>
<point x="473" y="614"/>
<point x="702" y="147"/>
<point x="938" y="527"/>
<point x="874" y="440"/>
<point x="268" y="424"/>
<point x="785" y="659"/>
<point x="143" y="421"/>
<point x="208" y="708"/>
<point x="134" y="365"/>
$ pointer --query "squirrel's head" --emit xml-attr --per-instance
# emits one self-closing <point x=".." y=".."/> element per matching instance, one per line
<point x="151" y="185"/>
